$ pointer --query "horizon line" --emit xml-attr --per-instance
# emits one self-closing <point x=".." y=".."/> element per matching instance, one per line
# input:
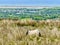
<point x="28" y="6"/>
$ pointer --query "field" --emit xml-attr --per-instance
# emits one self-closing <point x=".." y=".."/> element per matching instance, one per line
<point x="13" y="32"/>
<point x="34" y="13"/>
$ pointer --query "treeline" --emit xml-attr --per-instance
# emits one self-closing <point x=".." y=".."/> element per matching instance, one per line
<point x="36" y="14"/>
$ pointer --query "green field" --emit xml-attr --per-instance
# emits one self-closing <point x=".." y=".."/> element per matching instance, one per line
<point x="36" y="14"/>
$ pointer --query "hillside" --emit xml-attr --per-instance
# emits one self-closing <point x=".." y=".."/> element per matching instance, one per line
<point x="13" y="32"/>
<point x="34" y="13"/>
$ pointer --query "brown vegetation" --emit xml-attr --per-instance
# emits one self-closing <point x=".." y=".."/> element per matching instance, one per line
<point x="13" y="32"/>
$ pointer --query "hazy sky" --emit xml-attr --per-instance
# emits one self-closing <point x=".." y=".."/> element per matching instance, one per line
<point x="31" y="2"/>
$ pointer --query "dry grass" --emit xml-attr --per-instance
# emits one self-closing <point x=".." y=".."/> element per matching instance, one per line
<point x="14" y="32"/>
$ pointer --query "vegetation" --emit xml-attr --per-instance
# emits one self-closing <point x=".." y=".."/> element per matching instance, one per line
<point x="36" y="14"/>
<point x="15" y="22"/>
<point x="13" y="32"/>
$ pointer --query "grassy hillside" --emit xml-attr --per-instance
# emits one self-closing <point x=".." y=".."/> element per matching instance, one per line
<point x="13" y="32"/>
<point x="15" y="22"/>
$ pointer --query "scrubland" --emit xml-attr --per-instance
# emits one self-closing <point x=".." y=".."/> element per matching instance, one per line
<point x="13" y="32"/>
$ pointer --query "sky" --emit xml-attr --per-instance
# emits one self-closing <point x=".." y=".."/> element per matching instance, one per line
<point x="29" y="2"/>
